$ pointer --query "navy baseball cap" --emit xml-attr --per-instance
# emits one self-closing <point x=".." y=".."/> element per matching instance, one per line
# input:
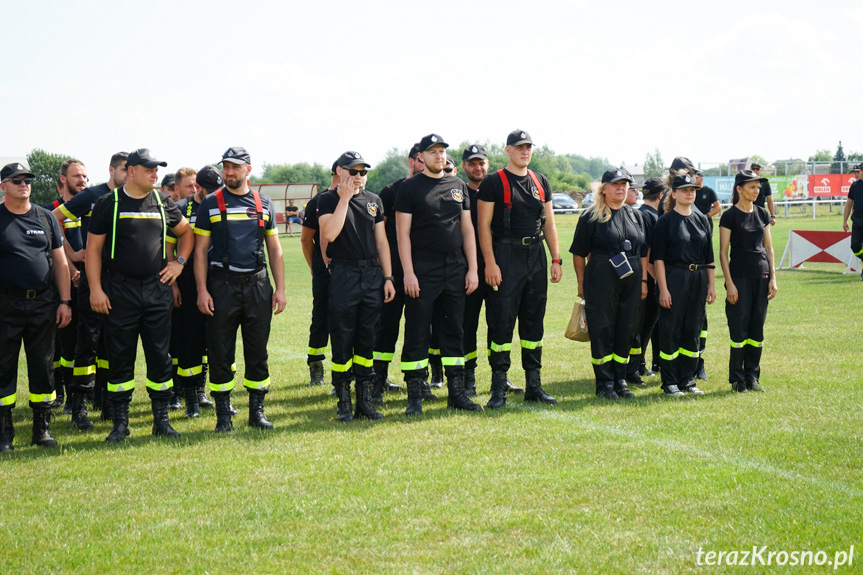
<point x="237" y="155"/>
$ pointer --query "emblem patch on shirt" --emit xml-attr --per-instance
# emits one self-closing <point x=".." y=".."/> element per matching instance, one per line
<point x="535" y="193"/>
<point x="251" y="213"/>
<point x="373" y="208"/>
<point x="457" y="195"/>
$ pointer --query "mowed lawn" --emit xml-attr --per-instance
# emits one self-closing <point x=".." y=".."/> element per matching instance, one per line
<point x="585" y="486"/>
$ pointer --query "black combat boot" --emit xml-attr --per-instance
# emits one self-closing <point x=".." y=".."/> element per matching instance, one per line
<point x="41" y="421"/>
<point x="364" y="407"/>
<point x="415" y="396"/>
<point x="97" y="393"/>
<point x="498" y="390"/>
<point x="161" y="423"/>
<point x="512" y="388"/>
<point x="121" y="422"/>
<point x="175" y="403"/>
<point x="190" y="390"/>
<point x="605" y="389"/>
<point x="256" y="409"/>
<point x="60" y="389"/>
<point x="203" y="400"/>
<point x="79" y="411"/>
<point x="456" y="397"/>
<point x="534" y="391"/>
<point x="107" y="407"/>
<point x="344" y="408"/>
<point x="316" y="373"/>
<point x="426" y="392"/>
<point x="7" y="430"/>
<point x="376" y="393"/>
<point x="470" y="381"/>
<point x="382" y="370"/>
<point x="621" y="389"/>
<point x="223" y="411"/>
<point x="436" y="371"/>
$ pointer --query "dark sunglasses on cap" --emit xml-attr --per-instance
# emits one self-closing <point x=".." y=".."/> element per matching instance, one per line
<point x="19" y="181"/>
<point x="354" y="172"/>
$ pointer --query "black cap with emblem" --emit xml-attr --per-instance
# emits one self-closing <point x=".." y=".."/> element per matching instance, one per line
<point x="351" y="159"/>
<point x="209" y="178"/>
<point x="474" y="151"/>
<point x="237" y="155"/>
<point x="142" y="157"/>
<point x="429" y="141"/>
<point x="169" y="180"/>
<point x="615" y="175"/>
<point x="15" y="169"/>
<point x="518" y="137"/>
<point x="683" y="181"/>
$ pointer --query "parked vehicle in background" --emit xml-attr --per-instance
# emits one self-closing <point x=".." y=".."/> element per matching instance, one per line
<point x="588" y="200"/>
<point x="562" y="203"/>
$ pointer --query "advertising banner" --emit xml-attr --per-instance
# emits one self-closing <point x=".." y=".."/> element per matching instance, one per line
<point x="723" y="186"/>
<point x="826" y="185"/>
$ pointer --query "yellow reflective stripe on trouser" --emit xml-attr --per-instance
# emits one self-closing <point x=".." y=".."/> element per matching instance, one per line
<point x="667" y="357"/>
<point x="317" y="350"/>
<point x="160" y="386"/>
<point x="433" y="351"/>
<point x="67" y="362"/>
<point x="84" y="370"/>
<point x="452" y="360"/>
<point x="342" y="367"/>
<point x="383" y="356"/>
<point x="102" y="363"/>
<point x="257" y="384"/>
<point x="175" y="361"/>
<point x="498" y="347"/>
<point x="191" y="371"/>
<point x="754" y="343"/>
<point x="635" y="351"/>
<point x="860" y="253"/>
<point x="8" y="400"/>
<point x="221" y="386"/>
<point x="619" y="359"/>
<point x="471" y="355"/>
<point x="43" y="397"/>
<point x="412" y="365"/>
<point x="601" y="360"/>
<point x="365" y="362"/>
<point x="530" y="344"/>
<point x="688" y="353"/>
<point x="58" y="363"/>
<point x="118" y="387"/>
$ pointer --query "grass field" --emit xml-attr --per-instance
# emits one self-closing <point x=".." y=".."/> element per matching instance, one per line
<point x="585" y="486"/>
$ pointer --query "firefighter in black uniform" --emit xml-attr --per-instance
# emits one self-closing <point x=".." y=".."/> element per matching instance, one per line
<point x="750" y="279"/>
<point x="130" y="283"/>
<point x="34" y="273"/>
<point x="632" y="367"/>
<point x="708" y="204"/>
<point x="310" y="240"/>
<point x="438" y="256"/>
<point x="652" y="191"/>
<point x="682" y="255"/>
<point x="234" y="226"/>
<point x="610" y="236"/>
<point x="89" y="374"/>
<point x="515" y="215"/>
<point x="854" y="209"/>
<point x="351" y="221"/>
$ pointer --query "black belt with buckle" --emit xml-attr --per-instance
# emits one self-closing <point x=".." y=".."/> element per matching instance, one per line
<point x="694" y="267"/>
<point x="19" y="292"/>
<point x="520" y="241"/>
<point x="362" y="264"/>
<point x="238" y="277"/>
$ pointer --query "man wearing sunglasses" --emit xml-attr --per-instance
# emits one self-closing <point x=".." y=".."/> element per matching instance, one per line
<point x="34" y="273"/>
<point x="438" y="254"/>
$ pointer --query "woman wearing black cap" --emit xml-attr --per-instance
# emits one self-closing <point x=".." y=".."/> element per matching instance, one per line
<point x="682" y="254"/>
<point x="610" y="236"/>
<point x="750" y="279"/>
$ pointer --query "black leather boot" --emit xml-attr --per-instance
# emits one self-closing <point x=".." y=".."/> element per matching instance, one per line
<point x="605" y="389"/>
<point x="621" y="389"/>
<point x="175" y="403"/>
<point x="121" y="422"/>
<point x="97" y="393"/>
<point x="426" y="392"/>
<point x="60" y="388"/>
<point x="256" y="409"/>
<point x="498" y="390"/>
<point x="382" y="370"/>
<point x="79" y="411"/>
<point x="344" y="409"/>
<point x="7" y="430"/>
<point x="364" y="407"/>
<point x="415" y="396"/>
<point x="376" y="393"/>
<point x="436" y="367"/>
<point x="470" y="381"/>
<point x="203" y="400"/>
<point x="223" y="411"/>
<point x="316" y="373"/>
<point x="41" y="421"/>
<point x="161" y="423"/>
<point x="190" y="390"/>
<point x="107" y="407"/>
<point x="456" y="397"/>
<point x="534" y="391"/>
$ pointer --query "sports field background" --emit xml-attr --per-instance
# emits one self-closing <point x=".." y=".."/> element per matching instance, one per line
<point x="586" y="486"/>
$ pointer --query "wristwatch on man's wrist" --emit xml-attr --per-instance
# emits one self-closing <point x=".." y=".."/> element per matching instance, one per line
<point x="181" y="260"/>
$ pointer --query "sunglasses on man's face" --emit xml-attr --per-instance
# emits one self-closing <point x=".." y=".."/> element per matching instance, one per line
<point x="354" y="172"/>
<point x="448" y="169"/>
<point x="19" y="181"/>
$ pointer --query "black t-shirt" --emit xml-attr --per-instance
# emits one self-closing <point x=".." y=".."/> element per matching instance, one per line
<point x="855" y="194"/>
<point x="139" y="244"/>
<point x="607" y="238"/>
<point x="310" y="220"/>
<point x="525" y="216"/>
<point x="242" y="221"/>
<point x="81" y="206"/>
<point x="72" y="228"/>
<point x="679" y="239"/>
<point x="24" y="255"/>
<point x="356" y="241"/>
<point x="748" y="256"/>
<point x="763" y="192"/>
<point x="388" y="197"/>
<point x="704" y="199"/>
<point x="189" y="208"/>
<point x="436" y="206"/>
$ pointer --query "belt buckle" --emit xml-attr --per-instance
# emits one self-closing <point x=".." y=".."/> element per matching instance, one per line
<point x="30" y="294"/>
<point x="693" y="267"/>
<point x="526" y="241"/>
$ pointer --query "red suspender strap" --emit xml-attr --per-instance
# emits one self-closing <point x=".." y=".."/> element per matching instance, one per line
<point x="220" y="199"/>
<point x="259" y="209"/>
<point x="507" y="191"/>
<point x="56" y="204"/>
<point x="538" y="186"/>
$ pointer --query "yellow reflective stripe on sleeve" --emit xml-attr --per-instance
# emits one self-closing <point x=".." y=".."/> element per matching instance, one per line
<point x="498" y="347"/>
<point x="619" y="359"/>
<point x="67" y="362"/>
<point x="452" y="360"/>
<point x="317" y="350"/>
<point x="221" y="386"/>
<point x="84" y="370"/>
<point x="102" y="363"/>
<point x="200" y="232"/>
<point x="271" y="232"/>
<point x="363" y="361"/>
<point x="525" y="344"/>
<point x="68" y="224"/>
<point x="668" y="357"/>
<point x="171" y="240"/>
<point x="413" y="365"/>
<point x="635" y="351"/>
<point x="703" y="334"/>
<point x="190" y="371"/>
<point x="471" y="355"/>
<point x="43" y="397"/>
<point x="342" y="367"/>
<point x="601" y="360"/>
<point x="433" y="351"/>
<point x="257" y="384"/>
<point x="754" y="343"/>
<point x="383" y="356"/>
<point x="160" y="386"/>
<point x="118" y="387"/>
<point x="67" y="213"/>
<point x="688" y="353"/>
<point x="8" y="400"/>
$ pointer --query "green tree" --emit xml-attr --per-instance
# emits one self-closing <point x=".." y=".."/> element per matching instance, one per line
<point x="821" y="156"/>
<point x="393" y="167"/>
<point x="838" y="160"/>
<point x="294" y="174"/>
<point x="46" y="167"/>
<point x="654" y="167"/>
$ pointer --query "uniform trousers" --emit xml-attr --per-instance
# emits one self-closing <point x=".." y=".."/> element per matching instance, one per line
<point x="680" y="326"/>
<point x="33" y="321"/>
<point x="91" y="354"/>
<point x="356" y="299"/>
<point x="649" y="315"/>
<point x="387" y="330"/>
<point x="64" y="354"/>
<point x="857" y="238"/>
<point x="191" y="330"/>
<point x="746" y="328"/>
<point x="319" y="332"/>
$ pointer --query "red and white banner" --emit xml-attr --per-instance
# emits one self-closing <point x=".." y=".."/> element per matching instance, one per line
<point x="830" y="184"/>
<point x="812" y="246"/>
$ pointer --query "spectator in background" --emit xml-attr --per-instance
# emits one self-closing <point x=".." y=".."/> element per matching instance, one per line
<point x="292" y="215"/>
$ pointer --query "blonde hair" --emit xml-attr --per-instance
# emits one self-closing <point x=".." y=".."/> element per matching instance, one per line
<point x="183" y="172"/>
<point x="670" y="202"/>
<point x="599" y="211"/>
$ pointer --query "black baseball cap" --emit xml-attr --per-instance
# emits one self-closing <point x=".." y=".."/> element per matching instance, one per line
<point x="653" y="187"/>
<point x="351" y="159"/>
<point x="169" y="180"/>
<point x="474" y="151"/>
<point x="682" y="163"/>
<point x="142" y="157"/>
<point x="518" y="137"/>
<point x="699" y="174"/>
<point x="449" y="160"/>
<point x="415" y="149"/>
<point x="683" y="181"/>
<point x="615" y="175"/>
<point x="15" y="169"/>
<point x="754" y="165"/>
<point x="748" y="176"/>
<point x="335" y="165"/>
<point x="856" y="167"/>
<point x="633" y="185"/>
<point x="237" y="155"/>
<point x="429" y="141"/>
<point x="209" y="178"/>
